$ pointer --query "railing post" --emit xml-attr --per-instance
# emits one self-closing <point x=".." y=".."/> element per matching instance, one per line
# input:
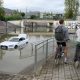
<point x="53" y="44"/>
<point x="6" y="27"/>
<point x="43" y="47"/>
<point x="46" y="50"/>
<point x="32" y="49"/>
<point x="35" y="65"/>
<point x="1" y="54"/>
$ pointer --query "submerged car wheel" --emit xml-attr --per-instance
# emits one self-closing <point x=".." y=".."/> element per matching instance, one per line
<point x="16" y="47"/>
<point x="26" y="42"/>
<point x="6" y="48"/>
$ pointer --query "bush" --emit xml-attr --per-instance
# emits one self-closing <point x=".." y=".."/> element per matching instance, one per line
<point x="13" y="17"/>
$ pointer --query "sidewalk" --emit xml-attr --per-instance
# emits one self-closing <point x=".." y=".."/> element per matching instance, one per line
<point x="63" y="71"/>
<point x="48" y="72"/>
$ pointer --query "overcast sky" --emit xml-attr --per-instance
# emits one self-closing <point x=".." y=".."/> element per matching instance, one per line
<point x="35" y="5"/>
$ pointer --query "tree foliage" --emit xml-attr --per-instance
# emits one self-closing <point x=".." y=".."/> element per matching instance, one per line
<point x="13" y="17"/>
<point x="22" y="14"/>
<point x="2" y="12"/>
<point x="71" y="8"/>
<point x="33" y="17"/>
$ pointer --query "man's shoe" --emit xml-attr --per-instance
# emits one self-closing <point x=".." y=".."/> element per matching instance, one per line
<point x="65" y="60"/>
<point x="62" y="54"/>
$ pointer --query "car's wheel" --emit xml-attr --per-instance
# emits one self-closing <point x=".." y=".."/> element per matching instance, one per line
<point x="6" y="48"/>
<point x="16" y="47"/>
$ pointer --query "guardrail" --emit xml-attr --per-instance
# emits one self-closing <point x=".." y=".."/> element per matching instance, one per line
<point x="42" y="51"/>
<point x="48" y="49"/>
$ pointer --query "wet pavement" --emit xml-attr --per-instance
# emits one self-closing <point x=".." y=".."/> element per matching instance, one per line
<point x="5" y="76"/>
<point x="15" y="61"/>
<point x="49" y="71"/>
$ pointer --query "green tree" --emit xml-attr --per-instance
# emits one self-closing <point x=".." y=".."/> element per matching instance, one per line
<point x="2" y="12"/>
<point x="22" y="14"/>
<point x="71" y="8"/>
<point x="33" y="17"/>
<point x="13" y="17"/>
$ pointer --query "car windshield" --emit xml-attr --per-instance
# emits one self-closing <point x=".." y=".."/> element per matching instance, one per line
<point x="14" y="39"/>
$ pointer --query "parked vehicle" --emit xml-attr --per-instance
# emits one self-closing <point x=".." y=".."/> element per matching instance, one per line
<point x="15" y="42"/>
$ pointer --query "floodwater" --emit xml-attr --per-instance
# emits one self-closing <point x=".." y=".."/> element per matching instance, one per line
<point x="14" y="61"/>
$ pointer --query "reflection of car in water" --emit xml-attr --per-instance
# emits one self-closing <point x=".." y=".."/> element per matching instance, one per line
<point x="15" y="42"/>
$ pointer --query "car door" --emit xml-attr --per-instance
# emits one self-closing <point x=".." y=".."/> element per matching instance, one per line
<point x="22" y="42"/>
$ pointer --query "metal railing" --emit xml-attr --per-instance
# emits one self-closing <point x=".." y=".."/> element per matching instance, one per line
<point x="8" y="27"/>
<point x="47" y="49"/>
<point x="42" y="51"/>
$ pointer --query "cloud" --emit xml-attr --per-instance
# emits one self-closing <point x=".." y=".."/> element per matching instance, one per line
<point x="40" y="5"/>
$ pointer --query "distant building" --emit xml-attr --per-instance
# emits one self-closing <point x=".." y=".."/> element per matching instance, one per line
<point x="44" y="15"/>
<point x="34" y="13"/>
<point x="41" y="15"/>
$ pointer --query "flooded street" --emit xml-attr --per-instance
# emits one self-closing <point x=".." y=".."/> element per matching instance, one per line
<point x="14" y="61"/>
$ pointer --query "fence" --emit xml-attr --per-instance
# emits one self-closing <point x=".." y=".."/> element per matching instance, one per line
<point x="42" y="51"/>
<point x="8" y="27"/>
<point x="37" y="26"/>
<point x="44" y="26"/>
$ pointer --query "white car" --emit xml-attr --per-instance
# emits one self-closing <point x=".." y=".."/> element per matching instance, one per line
<point x="15" y="42"/>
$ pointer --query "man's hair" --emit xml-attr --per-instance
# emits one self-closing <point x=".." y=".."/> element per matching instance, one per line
<point x="61" y="21"/>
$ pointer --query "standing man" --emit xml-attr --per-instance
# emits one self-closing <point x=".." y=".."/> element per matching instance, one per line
<point x="62" y="36"/>
<point x="77" y="52"/>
